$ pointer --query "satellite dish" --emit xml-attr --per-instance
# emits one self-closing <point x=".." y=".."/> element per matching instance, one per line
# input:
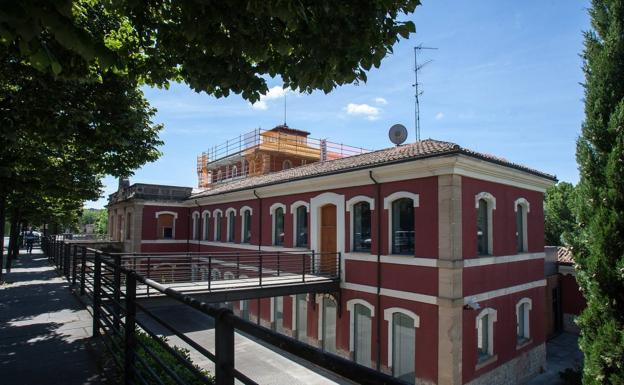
<point x="397" y="134"/>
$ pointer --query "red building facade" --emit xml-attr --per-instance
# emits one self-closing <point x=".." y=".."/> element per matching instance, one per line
<point x="442" y="256"/>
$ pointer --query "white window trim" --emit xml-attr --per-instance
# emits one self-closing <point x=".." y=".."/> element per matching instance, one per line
<point x="388" y="206"/>
<point x="526" y="315"/>
<point x="205" y="218"/>
<point x="492" y="317"/>
<point x="491" y="200"/>
<point x="293" y="211"/>
<point x="527" y="209"/>
<point x="242" y="221"/>
<point x="173" y="229"/>
<point x="195" y="217"/>
<point x="216" y="217"/>
<point x="352" y="202"/>
<point x="227" y="215"/>
<point x="272" y="209"/>
<point x="350" y="306"/>
<point x="388" y="313"/>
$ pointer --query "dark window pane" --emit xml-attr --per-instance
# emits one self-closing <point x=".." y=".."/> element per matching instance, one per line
<point x="247" y="227"/>
<point x="302" y="227"/>
<point x="482" y="228"/>
<point x="218" y="224"/>
<point x="167" y="232"/>
<point x="520" y="228"/>
<point x="279" y="226"/>
<point x="361" y="227"/>
<point x="403" y="226"/>
<point x="232" y="226"/>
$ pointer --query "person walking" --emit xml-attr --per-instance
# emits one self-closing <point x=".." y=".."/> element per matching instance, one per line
<point x="30" y="240"/>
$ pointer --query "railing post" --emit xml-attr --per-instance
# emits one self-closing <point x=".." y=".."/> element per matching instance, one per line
<point x="303" y="268"/>
<point x="130" y="329"/>
<point x="259" y="271"/>
<point x="339" y="265"/>
<point x="117" y="290"/>
<point x="224" y="348"/>
<point x="313" y="268"/>
<point x="149" y="269"/>
<point x="74" y="264"/>
<point x="237" y="265"/>
<point x="83" y="269"/>
<point x="66" y="261"/>
<point x="278" y="263"/>
<point x="97" y="284"/>
<point x="209" y="270"/>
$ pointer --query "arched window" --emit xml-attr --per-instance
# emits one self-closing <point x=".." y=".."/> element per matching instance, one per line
<point x="402" y="326"/>
<point x="206" y="215"/>
<point x="234" y="172"/>
<point x="485" y="333"/>
<point x="277" y="210"/>
<point x="301" y="226"/>
<point x="231" y="225"/>
<point x="485" y="203"/>
<point x="328" y="327"/>
<point x="128" y="226"/>
<point x="246" y="224"/>
<point x="165" y="222"/>
<point x="286" y="164"/>
<point x="403" y="226"/>
<point x="301" y="317"/>
<point x="244" y="309"/>
<point x="218" y="216"/>
<point x="195" y="233"/>
<point x="361" y="226"/>
<point x="523" y="330"/>
<point x="362" y="331"/>
<point x="521" y="206"/>
<point x="277" y="314"/>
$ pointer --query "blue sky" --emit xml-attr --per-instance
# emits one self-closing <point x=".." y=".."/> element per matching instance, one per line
<point x="505" y="80"/>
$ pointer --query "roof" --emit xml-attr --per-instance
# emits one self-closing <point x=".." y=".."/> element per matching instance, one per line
<point x="288" y="130"/>
<point x="422" y="149"/>
<point x="564" y="255"/>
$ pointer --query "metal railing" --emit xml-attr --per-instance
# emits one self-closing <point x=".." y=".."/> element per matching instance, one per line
<point x="137" y="349"/>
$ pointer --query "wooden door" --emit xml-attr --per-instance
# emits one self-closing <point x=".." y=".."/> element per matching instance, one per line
<point x="328" y="239"/>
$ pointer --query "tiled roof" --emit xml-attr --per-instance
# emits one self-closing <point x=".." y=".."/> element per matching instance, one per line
<point x="564" y="255"/>
<point x="421" y="149"/>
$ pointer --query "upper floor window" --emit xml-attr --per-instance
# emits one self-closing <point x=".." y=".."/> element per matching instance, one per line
<point x="231" y="225"/>
<point x="522" y="320"/>
<point x="128" y="226"/>
<point x="361" y="226"/>
<point x="196" y="225"/>
<point x="246" y="225"/>
<point x="485" y="203"/>
<point x="286" y="164"/>
<point x="301" y="229"/>
<point x="403" y="226"/>
<point x="234" y="172"/>
<point x="521" y="206"/>
<point x="485" y="333"/>
<point x="277" y="210"/>
<point x="166" y="224"/>
<point x="218" y="215"/>
<point x="206" y="222"/>
<point x="219" y="176"/>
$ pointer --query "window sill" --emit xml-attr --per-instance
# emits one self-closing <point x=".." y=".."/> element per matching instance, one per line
<point x="525" y="342"/>
<point x="485" y="361"/>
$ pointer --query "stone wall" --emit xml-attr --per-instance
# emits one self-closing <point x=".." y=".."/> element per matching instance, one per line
<point x="516" y="371"/>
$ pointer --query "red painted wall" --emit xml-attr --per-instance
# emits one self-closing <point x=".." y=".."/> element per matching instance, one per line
<point x="480" y="279"/>
<point x="504" y="217"/>
<point x="394" y="276"/>
<point x="572" y="299"/>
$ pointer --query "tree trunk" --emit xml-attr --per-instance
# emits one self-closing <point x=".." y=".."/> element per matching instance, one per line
<point x="2" y="219"/>
<point x="13" y="246"/>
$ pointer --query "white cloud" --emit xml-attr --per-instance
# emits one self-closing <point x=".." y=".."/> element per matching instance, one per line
<point x="381" y="101"/>
<point x="439" y="116"/>
<point x="370" y="112"/>
<point x="276" y="92"/>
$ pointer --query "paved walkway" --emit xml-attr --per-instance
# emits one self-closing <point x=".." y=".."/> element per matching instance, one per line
<point x="44" y="330"/>
<point x="562" y="352"/>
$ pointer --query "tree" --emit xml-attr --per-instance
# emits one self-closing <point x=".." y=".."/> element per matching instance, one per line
<point x="101" y="222"/>
<point x="219" y="47"/>
<point x="599" y="245"/>
<point x="559" y="221"/>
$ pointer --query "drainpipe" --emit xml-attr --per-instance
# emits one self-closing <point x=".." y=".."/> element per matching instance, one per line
<point x="378" y="208"/>
<point x="259" y="220"/>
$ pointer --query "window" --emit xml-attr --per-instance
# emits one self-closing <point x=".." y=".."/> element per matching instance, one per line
<point x="166" y="224"/>
<point x="482" y="228"/>
<point x="403" y="347"/>
<point x="206" y="221"/>
<point x="521" y="206"/>
<point x="286" y="164"/>
<point x="361" y="226"/>
<point x="244" y="309"/>
<point x="128" y="226"/>
<point x="329" y="325"/>
<point x="246" y="230"/>
<point x="485" y="334"/>
<point x="485" y="203"/>
<point x="196" y="225"/>
<point x="301" y="227"/>
<point x="522" y="320"/>
<point x="278" y="314"/>
<point x="362" y="331"/>
<point x="278" y="224"/>
<point x="234" y="172"/>
<point x="403" y="226"/>
<point x="301" y="317"/>
<point x="231" y="225"/>
<point x="218" y="215"/>
<point x="219" y="176"/>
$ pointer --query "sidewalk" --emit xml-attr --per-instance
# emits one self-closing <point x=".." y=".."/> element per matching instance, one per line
<point x="44" y="329"/>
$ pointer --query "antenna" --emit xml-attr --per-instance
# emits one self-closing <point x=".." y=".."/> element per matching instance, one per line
<point x="417" y="92"/>
<point x="285" y="93"/>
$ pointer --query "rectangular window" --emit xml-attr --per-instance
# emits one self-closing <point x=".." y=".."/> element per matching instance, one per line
<point x="403" y="226"/>
<point x="482" y="228"/>
<point x="362" y="334"/>
<point x="403" y="348"/>
<point x="361" y="227"/>
<point x="246" y="236"/>
<point x="278" y="314"/>
<point x="129" y="226"/>
<point x="329" y="325"/>
<point x="302" y="227"/>
<point x="165" y="226"/>
<point x="244" y="309"/>
<point x="302" y="317"/>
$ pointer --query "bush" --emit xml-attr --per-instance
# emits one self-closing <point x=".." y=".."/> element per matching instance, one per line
<point x="572" y="376"/>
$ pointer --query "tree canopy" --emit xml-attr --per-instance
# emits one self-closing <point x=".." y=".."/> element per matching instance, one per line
<point x="559" y="221"/>
<point x="599" y="245"/>
<point x="219" y="47"/>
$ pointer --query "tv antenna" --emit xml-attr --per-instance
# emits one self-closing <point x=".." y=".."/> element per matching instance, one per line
<point x="417" y="91"/>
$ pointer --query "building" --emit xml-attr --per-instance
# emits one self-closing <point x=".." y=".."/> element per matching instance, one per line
<point x="442" y="268"/>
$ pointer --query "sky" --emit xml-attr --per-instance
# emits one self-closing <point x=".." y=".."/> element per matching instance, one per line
<point x="505" y="80"/>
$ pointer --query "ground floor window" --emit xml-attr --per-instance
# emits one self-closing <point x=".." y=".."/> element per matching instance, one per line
<point x="403" y="347"/>
<point x="301" y="317"/>
<point x="329" y="325"/>
<point x="362" y="331"/>
<point x="278" y="314"/>
<point x="244" y="309"/>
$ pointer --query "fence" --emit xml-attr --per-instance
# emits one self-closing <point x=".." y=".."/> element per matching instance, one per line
<point x="112" y="290"/>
